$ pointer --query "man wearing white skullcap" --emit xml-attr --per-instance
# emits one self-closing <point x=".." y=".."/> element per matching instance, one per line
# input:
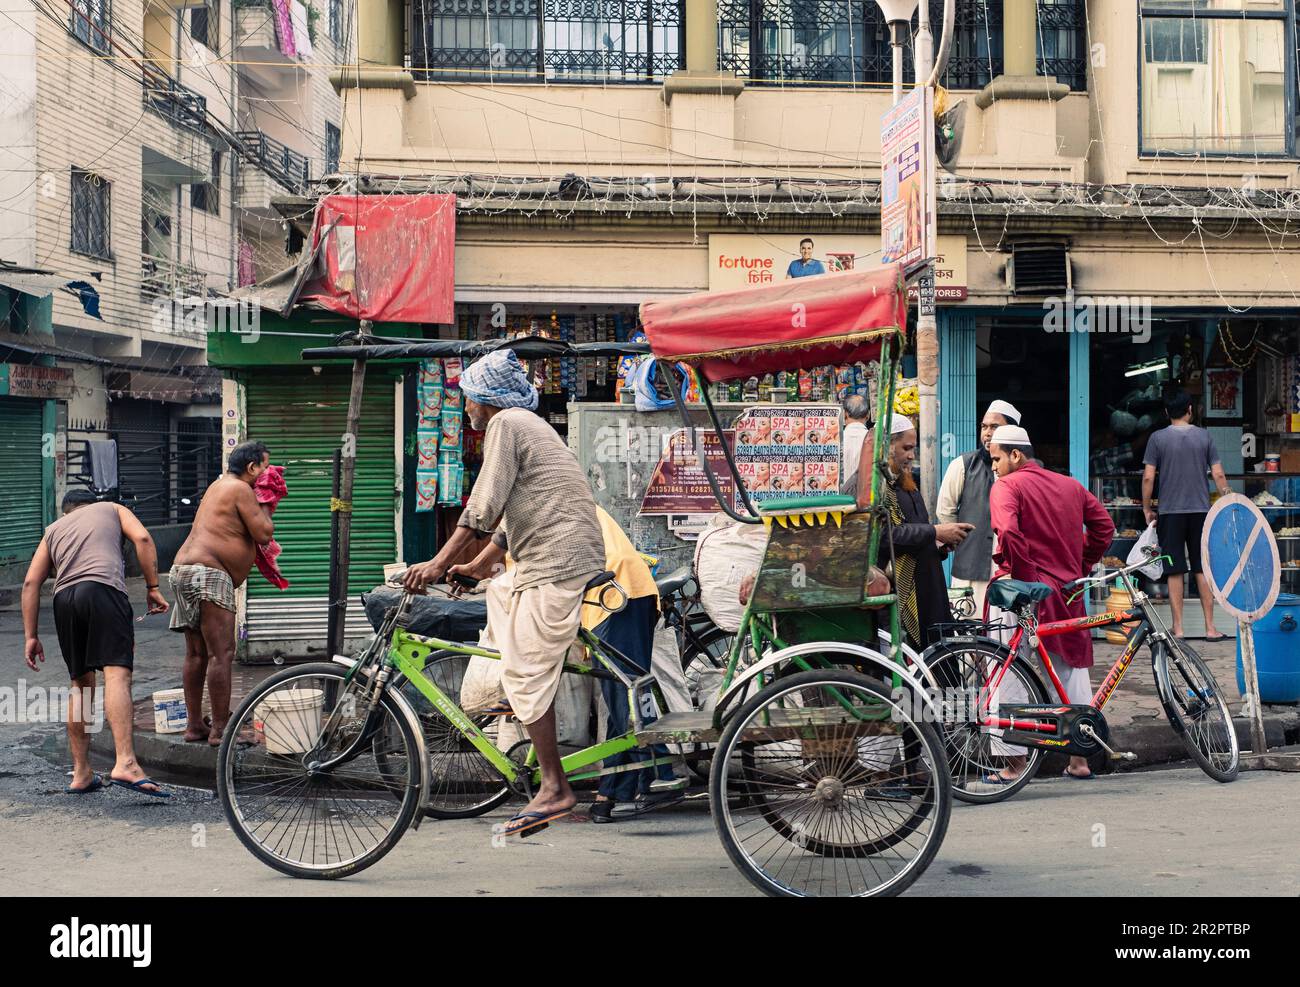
<point x="1039" y="518"/>
<point x="919" y="546"/>
<point x="964" y="496"/>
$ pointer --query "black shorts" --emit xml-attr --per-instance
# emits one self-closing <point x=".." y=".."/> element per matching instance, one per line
<point x="1180" y="539"/>
<point x="96" y="627"/>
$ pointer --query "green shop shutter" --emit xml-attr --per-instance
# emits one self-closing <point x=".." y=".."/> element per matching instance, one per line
<point x="22" y="495"/>
<point x="301" y="417"/>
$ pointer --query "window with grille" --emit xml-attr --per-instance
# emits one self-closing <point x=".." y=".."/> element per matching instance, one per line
<point x="205" y="22"/>
<point x="333" y="148"/>
<point x="336" y="21"/>
<point x="547" y="40"/>
<point x="90" y="214"/>
<point x="207" y="195"/>
<point x="810" y="42"/>
<point x="90" y="21"/>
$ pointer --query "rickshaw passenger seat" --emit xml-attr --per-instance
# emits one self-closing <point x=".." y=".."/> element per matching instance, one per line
<point x="671" y="583"/>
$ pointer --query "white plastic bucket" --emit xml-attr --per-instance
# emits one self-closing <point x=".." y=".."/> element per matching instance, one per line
<point x="291" y="720"/>
<point x="169" y="714"/>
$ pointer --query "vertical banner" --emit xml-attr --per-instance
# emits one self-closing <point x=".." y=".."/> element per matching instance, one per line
<point x="906" y="203"/>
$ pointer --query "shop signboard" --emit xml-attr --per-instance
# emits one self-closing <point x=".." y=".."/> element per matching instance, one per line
<point x="21" y="380"/>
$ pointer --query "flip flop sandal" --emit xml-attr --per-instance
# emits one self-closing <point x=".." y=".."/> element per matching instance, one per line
<point x="540" y="821"/>
<point x="1070" y="774"/>
<point x="1215" y="640"/>
<point x="501" y="708"/>
<point x="96" y="784"/>
<point x="138" y="787"/>
<point x="996" y="779"/>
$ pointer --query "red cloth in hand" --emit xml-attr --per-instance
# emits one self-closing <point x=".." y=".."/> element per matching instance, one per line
<point x="270" y="488"/>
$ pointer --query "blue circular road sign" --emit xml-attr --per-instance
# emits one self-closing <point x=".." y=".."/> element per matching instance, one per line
<point x="1240" y="558"/>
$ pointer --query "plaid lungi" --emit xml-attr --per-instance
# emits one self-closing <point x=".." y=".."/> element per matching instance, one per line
<point x="191" y="585"/>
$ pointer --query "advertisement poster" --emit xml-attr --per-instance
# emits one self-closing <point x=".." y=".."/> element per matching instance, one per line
<point x="906" y="140"/>
<point x="679" y="485"/>
<point x="789" y="452"/>
<point x="743" y="260"/>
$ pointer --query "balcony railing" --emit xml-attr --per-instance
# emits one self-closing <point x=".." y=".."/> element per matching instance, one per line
<point x="612" y="41"/>
<point x="837" y="42"/>
<point x="162" y="278"/>
<point x="166" y="96"/>
<point x="286" y="166"/>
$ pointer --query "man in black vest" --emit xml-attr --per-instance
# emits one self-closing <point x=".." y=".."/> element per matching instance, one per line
<point x="964" y="496"/>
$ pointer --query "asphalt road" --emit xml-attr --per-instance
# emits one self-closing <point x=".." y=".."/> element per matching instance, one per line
<point x="1169" y="832"/>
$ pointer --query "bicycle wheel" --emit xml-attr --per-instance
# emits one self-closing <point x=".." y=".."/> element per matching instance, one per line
<point x="462" y="782"/>
<point x="296" y="816"/>
<point x="824" y="785"/>
<point x="1196" y="709"/>
<point x="963" y="672"/>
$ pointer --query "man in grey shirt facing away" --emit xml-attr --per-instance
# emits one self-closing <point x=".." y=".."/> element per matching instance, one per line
<point x="96" y="628"/>
<point x="1181" y="454"/>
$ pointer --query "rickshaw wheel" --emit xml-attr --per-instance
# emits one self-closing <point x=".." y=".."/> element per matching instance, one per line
<point x="822" y="784"/>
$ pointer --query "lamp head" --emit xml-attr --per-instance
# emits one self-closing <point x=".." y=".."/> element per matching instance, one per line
<point x="897" y="10"/>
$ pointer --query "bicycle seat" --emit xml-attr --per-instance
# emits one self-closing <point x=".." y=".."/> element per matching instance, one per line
<point x="601" y="580"/>
<point x="1013" y="594"/>
<point x="671" y="583"/>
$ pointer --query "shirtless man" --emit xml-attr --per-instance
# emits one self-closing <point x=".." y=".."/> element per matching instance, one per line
<point x="215" y="559"/>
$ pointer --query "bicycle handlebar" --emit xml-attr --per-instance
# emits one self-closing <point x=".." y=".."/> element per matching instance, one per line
<point x="1083" y="581"/>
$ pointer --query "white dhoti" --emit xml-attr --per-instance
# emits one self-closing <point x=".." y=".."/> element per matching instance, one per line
<point x="533" y="629"/>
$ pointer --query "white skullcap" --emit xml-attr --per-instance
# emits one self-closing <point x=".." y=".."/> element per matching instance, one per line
<point x="899" y="424"/>
<point x="1010" y="435"/>
<point x="1006" y="409"/>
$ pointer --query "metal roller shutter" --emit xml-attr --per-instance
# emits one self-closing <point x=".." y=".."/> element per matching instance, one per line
<point x="22" y="493"/>
<point x="301" y="418"/>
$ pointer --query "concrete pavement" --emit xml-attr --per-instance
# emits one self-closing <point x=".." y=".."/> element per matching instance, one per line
<point x="1167" y="832"/>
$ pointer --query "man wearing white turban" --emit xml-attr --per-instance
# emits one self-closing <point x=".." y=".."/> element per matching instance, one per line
<point x="964" y="496"/>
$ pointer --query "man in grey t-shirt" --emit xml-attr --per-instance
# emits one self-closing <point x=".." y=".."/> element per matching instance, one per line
<point x="1181" y="454"/>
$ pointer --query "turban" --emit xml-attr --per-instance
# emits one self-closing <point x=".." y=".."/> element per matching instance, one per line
<point x="498" y="379"/>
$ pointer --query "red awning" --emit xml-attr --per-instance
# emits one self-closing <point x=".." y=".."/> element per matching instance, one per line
<point x="388" y="258"/>
<point x="795" y="325"/>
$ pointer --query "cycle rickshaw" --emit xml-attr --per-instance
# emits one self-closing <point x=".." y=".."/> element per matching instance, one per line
<point x="828" y="775"/>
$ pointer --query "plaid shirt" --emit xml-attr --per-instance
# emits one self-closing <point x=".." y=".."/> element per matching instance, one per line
<point x="532" y="487"/>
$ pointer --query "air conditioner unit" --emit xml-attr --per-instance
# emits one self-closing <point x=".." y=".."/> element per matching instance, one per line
<point x="1039" y="268"/>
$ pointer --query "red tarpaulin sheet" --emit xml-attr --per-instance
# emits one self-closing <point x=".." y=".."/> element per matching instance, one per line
<point x="795" y="325"/>
<point x="388" y="258"/>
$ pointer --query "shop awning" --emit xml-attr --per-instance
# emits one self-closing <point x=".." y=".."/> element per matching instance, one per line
<point x="41" y="284"/>
<point x="525" y="347"/>
<point x="794" y="325"/>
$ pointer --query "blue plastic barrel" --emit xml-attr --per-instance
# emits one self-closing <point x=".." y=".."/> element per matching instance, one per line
<point x="1277" y="652"/>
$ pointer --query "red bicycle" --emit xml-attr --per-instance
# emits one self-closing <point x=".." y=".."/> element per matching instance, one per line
<point x="997" y="714"/>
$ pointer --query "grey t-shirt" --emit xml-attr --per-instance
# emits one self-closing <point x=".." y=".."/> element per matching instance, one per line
<point x="1181" y="455"/>
<point x="86" y="546"/>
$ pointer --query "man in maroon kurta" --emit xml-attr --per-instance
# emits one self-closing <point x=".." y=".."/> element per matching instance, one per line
<point x="1049" y="530"/>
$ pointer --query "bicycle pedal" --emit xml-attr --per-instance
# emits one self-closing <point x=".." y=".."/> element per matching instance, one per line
<point x="1123" y="756"/>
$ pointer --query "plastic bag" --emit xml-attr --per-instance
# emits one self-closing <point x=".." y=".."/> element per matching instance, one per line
<point x="1138" y="553"/>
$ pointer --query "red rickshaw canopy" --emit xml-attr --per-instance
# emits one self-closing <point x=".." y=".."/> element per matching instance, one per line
<point x="795" y="325"/>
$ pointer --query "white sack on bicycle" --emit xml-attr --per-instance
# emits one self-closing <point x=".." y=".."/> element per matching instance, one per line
<point x="726" y="552"/>
<point x="1137" y="553"/>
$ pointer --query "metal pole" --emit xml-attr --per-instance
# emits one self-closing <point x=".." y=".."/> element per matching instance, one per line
<point x="927" y="331"/>
<point x="1258" y="742"/>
